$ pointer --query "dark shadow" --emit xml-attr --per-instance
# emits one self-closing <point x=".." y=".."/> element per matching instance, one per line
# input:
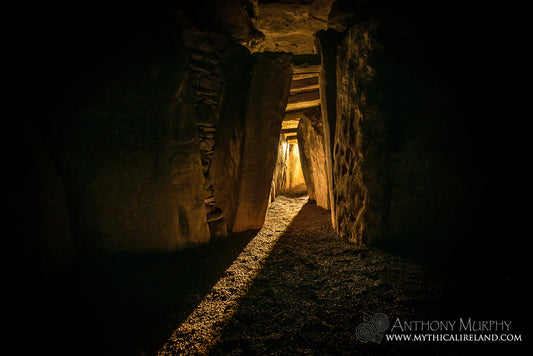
<point x="130" y="304"/>
<point x="309" y="298"/>
<point x="314" y="290"/>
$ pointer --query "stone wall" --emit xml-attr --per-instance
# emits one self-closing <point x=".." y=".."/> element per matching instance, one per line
<point x="267" y="98"/>
<point x="167" y="143"/>
<point x="328" y="41"/>
<point x="313" y="156"/>
<point x="280" y="171"/>
<point x="350" y="192"/>
<point x="294" y="178"/>
<point x="131" y="158"/>
<point x="207" y="83"/>
<point x="107" y="147"/>
<point x="395" y="182"/>
<point x="229" y="143"/>
<point x="289" y="178"/>
<point x="135" y="151"/>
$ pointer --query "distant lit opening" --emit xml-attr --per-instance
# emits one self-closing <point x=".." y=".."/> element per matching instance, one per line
<point x="295" y="179"/>
<point x="288" y="178"/>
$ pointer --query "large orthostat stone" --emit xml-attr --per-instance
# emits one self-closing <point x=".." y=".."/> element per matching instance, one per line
<point x="267" y="99"/>
<point x="313" y="156"/>
<point x="229" y="143"/>
<point x="350" y="191"/>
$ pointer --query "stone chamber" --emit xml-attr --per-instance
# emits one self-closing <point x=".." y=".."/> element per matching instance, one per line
<point x="143" y="139"/>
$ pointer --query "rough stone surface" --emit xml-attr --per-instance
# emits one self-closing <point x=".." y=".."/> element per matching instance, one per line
<point x="305" y="161"/>
<point x="131" y="160"/>
<point x="328" y="104"/>
<point x="218" y="228"/>
<point x="280" y="172"/>
<point x="218" y="82"/>
<point x="312" y="151"/>
<point x="229" y="145"/>
<point x="350" y="192"/>
<point x="288" y="175"/>
<point x="394" y="177"/>
<point x="290" y="26"/>
<point x="295" y="182"/>
<point x="187" y="179"/>
<point x="267" y="99"/>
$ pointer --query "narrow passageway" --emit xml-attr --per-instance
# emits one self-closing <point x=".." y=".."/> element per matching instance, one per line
<point x="263" y="177"/>
<point x="303" y="292"/>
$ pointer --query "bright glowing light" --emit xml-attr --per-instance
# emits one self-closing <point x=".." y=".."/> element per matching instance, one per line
<point x="285" y="146"/>
<point x="296" y="152"/>
<point x="201" y="330"/>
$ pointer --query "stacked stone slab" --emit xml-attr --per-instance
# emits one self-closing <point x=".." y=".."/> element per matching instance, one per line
<point x="207" y="83"/>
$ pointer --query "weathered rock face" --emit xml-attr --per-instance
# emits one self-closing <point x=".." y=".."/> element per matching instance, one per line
<point x="169" y="143"/>
<point x="132" y="159"/>
<point x="267" y="99"/>
<point x="295" y="179"/>
<point x="229" y="145"/>
<point x="313" y="156"/>
<point x="328" y="42"/>
<point x="280" y="171"/>
<point x="288" y="175"/>
<point x="394" y="180"/>
<point x="290" y="26"/>
<point x="350" y="192"/>
<point x="135" y="154"/>
<point x="176" y="144"/>
<point x="208" y="87"/>
<point x="289" y="178"/>
<point x="305" y="161"/>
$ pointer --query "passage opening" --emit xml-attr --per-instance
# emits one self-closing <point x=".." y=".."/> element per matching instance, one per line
<point x="288" y="176"/>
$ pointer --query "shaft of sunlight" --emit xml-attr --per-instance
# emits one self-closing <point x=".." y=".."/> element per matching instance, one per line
<point x="201" y="330"/>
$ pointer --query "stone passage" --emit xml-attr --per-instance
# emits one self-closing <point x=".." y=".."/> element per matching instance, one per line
<point x="298" y="289"/>
<point x="301" y="165"/>
<point x="314" y="289"/>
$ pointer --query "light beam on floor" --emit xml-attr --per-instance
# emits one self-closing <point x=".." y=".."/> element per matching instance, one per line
<point x="201" y="330"/>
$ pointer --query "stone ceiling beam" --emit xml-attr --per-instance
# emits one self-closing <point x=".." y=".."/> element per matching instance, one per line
<point x="289" y="131"/>
<point x="289" y="124"/>
<point x="290" y="26"/>
<point x="307" y="84"/>
<point x="303" y="100"/>
<point x="304" y="76"/>
<point x="306" y="68"/>
<point x="294" y="115"/>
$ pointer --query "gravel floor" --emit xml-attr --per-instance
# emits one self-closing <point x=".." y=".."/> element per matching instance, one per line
<point x="291" y="288"/>
<point x="309" y="294"/>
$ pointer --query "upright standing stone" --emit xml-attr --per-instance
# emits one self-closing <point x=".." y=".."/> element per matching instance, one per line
<point x="327" y="42"/>
<point x="267" y="100"/>
<point x="229" y="143"/>
<point x="313" y="153"/>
